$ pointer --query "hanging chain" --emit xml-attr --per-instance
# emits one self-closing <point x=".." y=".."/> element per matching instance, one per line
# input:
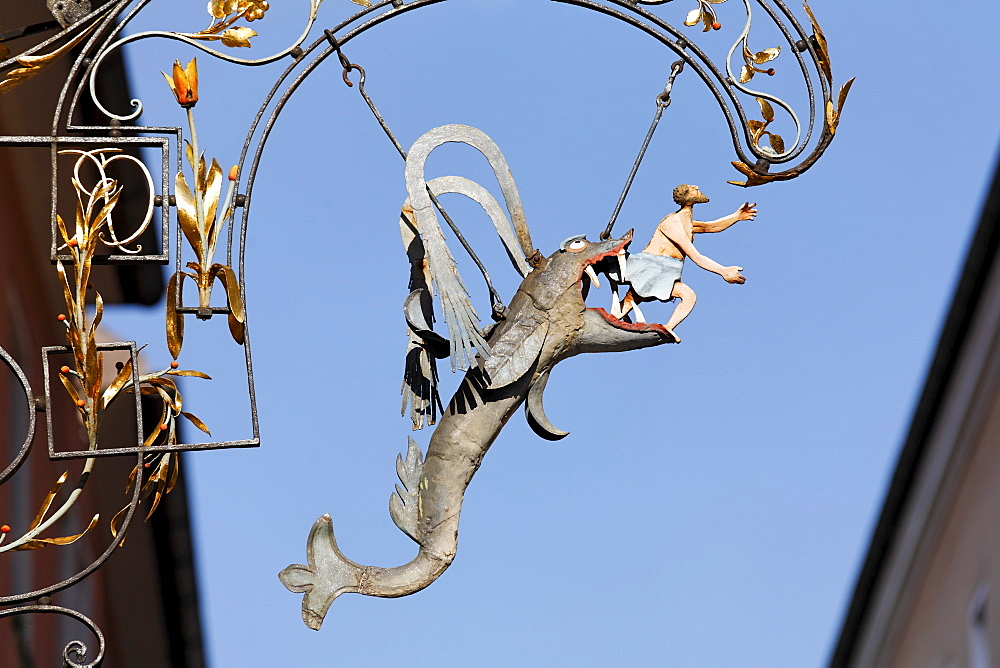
<point x="662" y="102"/>
<point x="496" y="303"/>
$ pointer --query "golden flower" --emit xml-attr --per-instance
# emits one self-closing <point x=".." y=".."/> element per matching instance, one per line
<point x="184" y="83"/>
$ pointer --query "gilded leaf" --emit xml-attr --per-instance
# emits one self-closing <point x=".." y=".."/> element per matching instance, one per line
<point x="707" y="19"/>
<point x="238" y="36"/>
<point x="175" y="320"/>
<point x="777" y="143"/>
<point x="844" y="90"/>
<point x="202" y="180"/>
<point x="196" y="422"/>
<point x="753" y="178"/>
<point x="822" y="52"/>
<point x="94" y="371"/>
<point x="746" y="74"/>
<point x="232" y="285"/>
<point x="212" y="192"/>
<point x="167" y="400"/>
<point x="744" y="168"/>
<point x="39" y="543"/>
<point x="62" y="228"/>
<point x="766" y="55"/>
<point x="187" y="214"/>
<point x="189" y="372"/>
<point x="114" y="522"/>
<point x="157" y="482"/>
<point x="693" y="17"/>
<point x="363" y="3"/>
<point x="831" y="117"/>
<point x="67" y="292"/>
<point x="155" y="433"/>
<point x="32" y="65"/>
<point x="70" y="388"/>
<point x="122" y="379"/>
<point x="220" y="9"/>
<point x="766" y="109"/>
<point x="47" y="501"/>
<point x="157" y="380"/>
<point x="237" y="329"/>
<point x="98" y="311"/>
<point x="756" y="129"/>
<point x="174" y="472"/>
<point x="110" y="200"/>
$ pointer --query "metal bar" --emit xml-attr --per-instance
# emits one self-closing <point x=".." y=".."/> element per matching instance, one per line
<point x="662" y="102"/>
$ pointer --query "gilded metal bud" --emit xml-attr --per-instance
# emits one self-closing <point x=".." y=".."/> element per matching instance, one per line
<point x="184" y="83"/>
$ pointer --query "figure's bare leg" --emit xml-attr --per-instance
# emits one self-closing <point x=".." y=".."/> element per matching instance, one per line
<point x="688" y="299"/>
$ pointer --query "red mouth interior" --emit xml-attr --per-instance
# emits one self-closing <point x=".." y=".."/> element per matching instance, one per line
<point x="620" y="324"/>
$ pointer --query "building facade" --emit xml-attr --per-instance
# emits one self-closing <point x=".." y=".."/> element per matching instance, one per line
<point x="144" y="598"/>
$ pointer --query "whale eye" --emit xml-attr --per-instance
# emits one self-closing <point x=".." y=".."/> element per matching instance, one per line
<point x="576" y="245"/>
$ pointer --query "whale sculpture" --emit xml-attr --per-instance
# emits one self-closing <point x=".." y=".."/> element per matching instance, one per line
<point x="507" y="365"/>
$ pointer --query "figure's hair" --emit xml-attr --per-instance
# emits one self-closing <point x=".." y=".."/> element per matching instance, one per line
<point x="683" y="194"/>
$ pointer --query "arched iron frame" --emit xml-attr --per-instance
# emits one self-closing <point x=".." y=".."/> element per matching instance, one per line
<point x="106" y="26"/>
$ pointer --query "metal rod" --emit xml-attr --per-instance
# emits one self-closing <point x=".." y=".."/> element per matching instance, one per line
<point x="495" y="299"/>
<point x="662" y="102"/>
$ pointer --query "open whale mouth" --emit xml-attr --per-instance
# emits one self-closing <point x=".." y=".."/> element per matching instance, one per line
<point x="612" y="264"/>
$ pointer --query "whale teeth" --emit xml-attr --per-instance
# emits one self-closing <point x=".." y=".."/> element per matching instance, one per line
<point x="616" y="307"/>
<point x="593" y="275"/>
<point x="639" y="317"/>
<point x="621" y="264"/>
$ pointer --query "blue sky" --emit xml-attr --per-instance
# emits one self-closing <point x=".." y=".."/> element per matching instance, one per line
<point x="714" y="500"/>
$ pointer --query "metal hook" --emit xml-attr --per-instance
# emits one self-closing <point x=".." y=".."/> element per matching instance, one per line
<point x="344" y="62"/>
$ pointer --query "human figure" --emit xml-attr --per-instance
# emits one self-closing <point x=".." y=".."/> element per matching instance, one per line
<point x="655" y="273"/>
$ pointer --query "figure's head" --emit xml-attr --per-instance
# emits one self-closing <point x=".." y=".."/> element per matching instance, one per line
<point x="685" y="194"/>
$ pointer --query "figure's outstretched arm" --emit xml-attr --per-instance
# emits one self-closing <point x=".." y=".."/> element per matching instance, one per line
<point x="676" y="234"/>
<point x="746" y="212"/>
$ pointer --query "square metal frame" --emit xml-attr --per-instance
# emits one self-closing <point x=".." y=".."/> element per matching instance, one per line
<point x="47" y="352"/>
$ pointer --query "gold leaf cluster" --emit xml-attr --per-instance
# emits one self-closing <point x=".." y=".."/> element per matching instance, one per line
<point x="758" y="130"/>
<point x="251" y="10"/>
<point x="224" y="14"/>
<point x="704" y="14"/>
<point x="755" y="179"/>
<point x="29" y="66"/>
<point x="38" y="543"/>
<point x="833" y="111"/>
<point x="752" y="60"/>
<point x="83" y="381"/>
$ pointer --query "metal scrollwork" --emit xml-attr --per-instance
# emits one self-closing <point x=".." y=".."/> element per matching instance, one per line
<point x="507" y="363"/>
<point x="75" y="654"/>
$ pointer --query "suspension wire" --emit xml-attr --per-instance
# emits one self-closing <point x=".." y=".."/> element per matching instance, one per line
<point x="496" y="303"/>
<point x="662" y="102"/>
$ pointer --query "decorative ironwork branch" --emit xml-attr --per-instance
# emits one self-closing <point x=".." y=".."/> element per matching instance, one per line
<point x="201" y="218"/>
